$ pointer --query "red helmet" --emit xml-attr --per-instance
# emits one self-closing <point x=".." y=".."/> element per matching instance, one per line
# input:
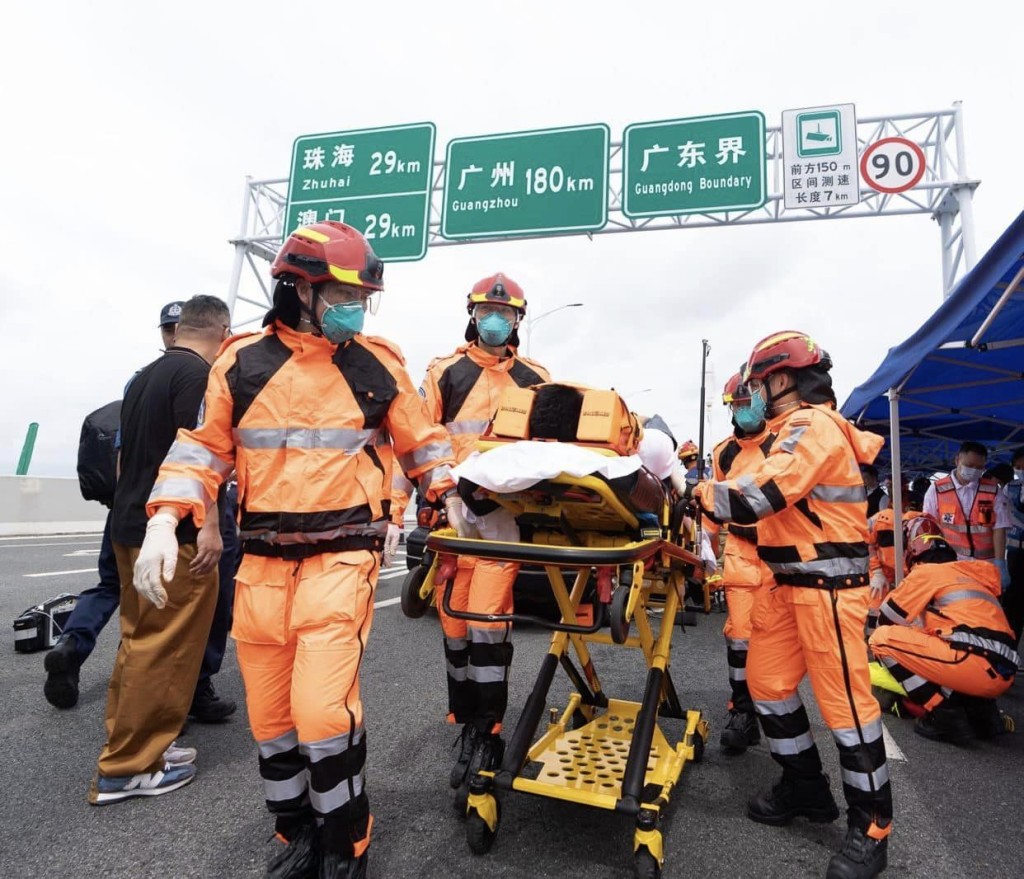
<point x="788" y="349"/>
<point x="499" y="289"/>
<point x="920" y="535"/>
<point x="688" y="450"/>
<point x="735" y="391"/>
<point x="329" y="251"/>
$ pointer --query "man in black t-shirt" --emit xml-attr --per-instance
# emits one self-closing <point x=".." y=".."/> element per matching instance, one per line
<point x="161" y="647"/>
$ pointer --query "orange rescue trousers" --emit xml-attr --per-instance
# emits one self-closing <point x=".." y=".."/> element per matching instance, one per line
<point x="930" y="668"/>
<point x="740" y="602"/>
<point x="819" y="632"/>
<point x="301" y="629"/>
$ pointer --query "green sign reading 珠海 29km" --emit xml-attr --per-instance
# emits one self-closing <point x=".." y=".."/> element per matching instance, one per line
<point x="699" y="165"/>
<point x="377" y="180"/>
<point x="526" y="183"/>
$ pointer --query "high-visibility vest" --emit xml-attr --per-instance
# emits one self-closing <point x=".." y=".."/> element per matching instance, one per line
<point x="971" y="536"/>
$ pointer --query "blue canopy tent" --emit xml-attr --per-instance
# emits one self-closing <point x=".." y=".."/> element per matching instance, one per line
<point x="960" y="376"/>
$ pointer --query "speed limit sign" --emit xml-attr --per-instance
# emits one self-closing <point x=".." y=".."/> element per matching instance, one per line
<point x="893" y="164"/>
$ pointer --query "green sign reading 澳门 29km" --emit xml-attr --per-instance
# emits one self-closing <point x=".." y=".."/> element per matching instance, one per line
<point x="377" y="180"/>
<point x="699" y="165"/>
<point x="526" y="183"/>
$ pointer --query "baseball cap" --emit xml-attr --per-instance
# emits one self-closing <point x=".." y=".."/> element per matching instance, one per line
<point x="171" y="313"/>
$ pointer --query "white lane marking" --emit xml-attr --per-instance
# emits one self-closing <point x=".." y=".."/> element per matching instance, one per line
<point x="39" y="545"/>
<point x="62" y="573"/>
<point x="892" y="750"/>
<point x="391" y="575"/>
<point x="387" y="602"/>
<point x="80" y="552"/>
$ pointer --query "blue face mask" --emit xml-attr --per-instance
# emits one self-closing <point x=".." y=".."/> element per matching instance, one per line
<point x="750" y="419"/>
<point x="341" y="322"/>
<point x="494" y="329"/>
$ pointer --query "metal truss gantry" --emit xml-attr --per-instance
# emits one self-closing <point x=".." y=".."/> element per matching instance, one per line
<point x="945" y="192"/>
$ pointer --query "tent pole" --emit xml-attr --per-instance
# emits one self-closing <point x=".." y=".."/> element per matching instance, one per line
<point x="897" y="483"/>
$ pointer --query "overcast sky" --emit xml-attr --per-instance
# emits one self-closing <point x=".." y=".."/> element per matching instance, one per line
<point x="129" y="129"/>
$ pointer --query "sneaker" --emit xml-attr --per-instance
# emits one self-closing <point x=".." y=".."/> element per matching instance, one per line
<point x="61" y="664"/>
<point x="295" y="858"/>
<point x="466" y="742"/>
<point x="740" y="732"/>
<point x="176" y="756"/>
<point x="791" y="798"/>
<point x="107" y="789"/>
<point x="335" y="866"/>
<point x="860" y="858"/>
<point x="207" y="706"/>
<point x="947" y="723"/>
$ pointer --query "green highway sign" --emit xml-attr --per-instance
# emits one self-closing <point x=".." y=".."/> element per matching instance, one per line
<point x="376" y="179"/>
<point x="526" y="183"/>
<point x="694" y="166"/>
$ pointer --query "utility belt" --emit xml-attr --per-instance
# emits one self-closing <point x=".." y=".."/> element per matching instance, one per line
<point x="299" y="551"/>
<point x="814" y="581"/>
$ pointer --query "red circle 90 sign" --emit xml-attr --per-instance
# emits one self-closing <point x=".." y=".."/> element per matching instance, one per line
<point x="893" y="164"/>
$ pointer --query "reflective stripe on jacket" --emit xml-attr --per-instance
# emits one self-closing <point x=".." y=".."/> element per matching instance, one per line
<point x="312" y="429"/>
<point x="807" y="499"/>
<point x="971" y="536"/>
<point x="958" y="602"/>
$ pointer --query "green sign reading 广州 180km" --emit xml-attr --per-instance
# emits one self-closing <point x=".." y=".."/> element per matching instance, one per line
<point x="526" y="183"/>
<point x="699" y="165"/>
<point x="377" y="180"/>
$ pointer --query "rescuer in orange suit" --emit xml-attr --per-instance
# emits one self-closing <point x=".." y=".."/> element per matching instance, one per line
<point x="301" y="411"/>
<point x="943" y="635"/>
<point x="809" y="504"/>
<point x="462" y="392"/>
<point x="742" y="571"/>
<point x="882" y="552"/>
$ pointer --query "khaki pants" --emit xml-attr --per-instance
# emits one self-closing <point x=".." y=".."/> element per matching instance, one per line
<point x="157" y="664"/>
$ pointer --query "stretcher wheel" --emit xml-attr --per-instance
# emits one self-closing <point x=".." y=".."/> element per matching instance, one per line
<point x="413" y="606"/>
<point x="479" y="836"/>
<point x="617" y="615"/>
<point x="645" y="865"/>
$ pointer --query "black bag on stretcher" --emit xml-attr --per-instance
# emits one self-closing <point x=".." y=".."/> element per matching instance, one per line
<point x="39" y="627"/>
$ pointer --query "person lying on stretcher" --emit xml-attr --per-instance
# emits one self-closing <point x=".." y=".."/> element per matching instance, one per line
<point x="558" y="430"/>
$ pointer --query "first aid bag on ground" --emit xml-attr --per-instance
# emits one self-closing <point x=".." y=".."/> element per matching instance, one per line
<point x="39" y="627"/>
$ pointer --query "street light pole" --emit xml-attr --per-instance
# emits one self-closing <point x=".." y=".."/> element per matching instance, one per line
<point x="530" y="321"/>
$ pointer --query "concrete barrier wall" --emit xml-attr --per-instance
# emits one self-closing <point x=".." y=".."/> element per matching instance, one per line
<point x="46" y="505"/>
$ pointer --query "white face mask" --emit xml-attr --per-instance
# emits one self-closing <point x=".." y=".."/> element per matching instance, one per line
<point x="1018" y="475"/>
<point x="968" y="474"/>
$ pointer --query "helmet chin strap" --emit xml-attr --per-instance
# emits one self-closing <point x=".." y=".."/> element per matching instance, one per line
<point x="318" y="330"/>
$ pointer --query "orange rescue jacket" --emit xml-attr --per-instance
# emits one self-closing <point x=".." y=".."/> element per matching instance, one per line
<point x="731" y="458"/>
<point x="958" y="602"/>
<point x="882" y="541"/>
<point x="969" y="535"/>
<point x="807" y="499"/>
<point x="312" y="429"/>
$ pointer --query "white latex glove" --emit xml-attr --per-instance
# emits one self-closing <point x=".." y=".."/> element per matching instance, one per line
<point x="157" y="559"/>
<point x="879" y="585"/>
<point x="456" y="511"/>
<point x="391" y="545"/>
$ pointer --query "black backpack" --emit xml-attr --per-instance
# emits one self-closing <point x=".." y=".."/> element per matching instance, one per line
<point x="97" y="456"/>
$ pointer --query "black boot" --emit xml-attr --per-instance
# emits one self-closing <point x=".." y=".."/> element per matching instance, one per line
<point x="295" y="857"/>
<point x="467" y="742"/>
<point x="793" y="797"/>
<point x="861" y="857"/>
<point x="947" y="723"/>
<point x="740" y="732"/>
<point x="335" y="866"/>
<point x="207" y="706"/>
<point x="984" y="717"/>
<point x="61" y="664"/>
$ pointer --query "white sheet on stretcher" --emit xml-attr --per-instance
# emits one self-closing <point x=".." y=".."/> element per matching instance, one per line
<point x="521" y="464"/>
